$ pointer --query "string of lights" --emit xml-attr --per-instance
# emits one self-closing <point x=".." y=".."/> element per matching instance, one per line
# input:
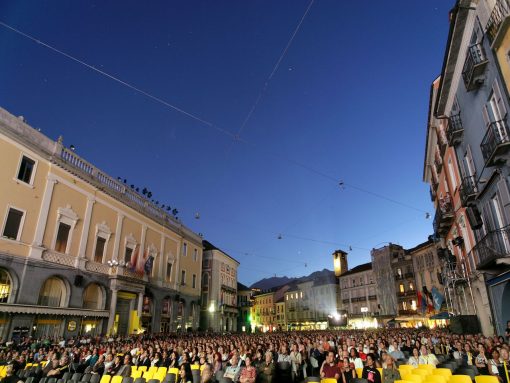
<point x="235" y="137"/>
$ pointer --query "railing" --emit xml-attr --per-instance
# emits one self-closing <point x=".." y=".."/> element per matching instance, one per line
<point x="75" y="161"/>
<point x="444" y="215"/>
<point x="500" y="11"/>
<point x="468" y="189"/>
<point x="128" y="273"/>
<point x="454" y="129"/>
<point x="497" y="136"/>
<point x="438" y="161"/>
<point x="372" y="297"/>
<point x="97" y="267"/>
<point x="60" y="258"/>
<point x="474" y="66"/>
<point x="433" y="193"/>
<point x="406" y="312"/>
<point x="494" y="245"/>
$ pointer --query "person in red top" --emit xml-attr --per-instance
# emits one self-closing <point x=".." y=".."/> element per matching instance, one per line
<point x="329" y="369"/>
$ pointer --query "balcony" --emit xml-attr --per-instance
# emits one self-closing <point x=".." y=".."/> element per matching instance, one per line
<point x="493" y="250"/>
<point x="444" y="215"/>
<point x="454" y="130"/>
<point x="474" y="66"/>
<point x="433" y="193"/>
<point x="372" y="297"/>
<point x="399" y="277"/>
<point x="495" y="142"/>
<point x="468" y="190"/>
<point x="500" y="11"/>
<point x="345" y="301"/>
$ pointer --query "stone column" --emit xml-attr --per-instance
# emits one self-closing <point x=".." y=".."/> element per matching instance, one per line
<point x="140" y="305"/>
<point x="80" y="261"/>
<point x="113" y="306"/>
<point x="37" y="249"/>
<point x="116" y="241"/>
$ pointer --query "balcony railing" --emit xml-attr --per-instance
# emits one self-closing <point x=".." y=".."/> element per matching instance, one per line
<point x="454" y="130"/>
<point x="495" y="142"/>
<point x="491" y="248"/>
<point x="500" y="11"/>
<point x="406" y="312"/>
<point x="372" y="297"/>
<point x="468" y="189"/>
<point x="474" y="66"/>
<point x="444" y="215"/>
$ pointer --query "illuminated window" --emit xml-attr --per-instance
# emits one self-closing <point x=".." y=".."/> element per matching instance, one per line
<point x="301" y="293"/>
<point x="411" y="286"/>
<point x="413" y="305"/>
<point x="402" y="289"/>
<point x="5" y="286"/>
<point x="52" y="293"/>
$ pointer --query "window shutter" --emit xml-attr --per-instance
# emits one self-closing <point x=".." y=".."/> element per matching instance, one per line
<point x="499" y="99"/>
<point x="504" y="196"/>
<point x="486" y="117"/>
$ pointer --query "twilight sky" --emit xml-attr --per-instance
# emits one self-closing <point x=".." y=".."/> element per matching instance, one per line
<point x="348" y="103"/>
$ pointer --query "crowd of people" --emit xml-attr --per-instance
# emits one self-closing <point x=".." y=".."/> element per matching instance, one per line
<point x="270" y="357"/>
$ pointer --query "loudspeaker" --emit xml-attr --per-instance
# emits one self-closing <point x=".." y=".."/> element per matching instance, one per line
<point x="465" y="324"/>
<point x="78" y="280"/>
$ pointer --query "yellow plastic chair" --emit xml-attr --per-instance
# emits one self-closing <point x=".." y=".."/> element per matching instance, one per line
<point x="415" y="378"/>
<point x="380" y="372"/>
<point x="44" y="363"/>
<point x="195" y="367"/>
<point x="153" y="370"/>
<point x="136" y="374"/>
<point x="134" y="368"/>
<point x="402" y="381"/>
<point x="174" y="371"/>
<point x="435" y="379"/>
<point x="148" y="375"/>
<point x="328" y="380"/>
<point x="359" y="371"/>
<point x="426" y="366"/>
<point x="460" y="379"/>
<point x="28" y="365"/>
<point x="116" y="379"/>
<point x="486" y="379"/>
<point x="162" y="371"/>
<point x="405" y="368"/>
<point x="105" y="379"/>
<point x="3" y="371"/>
<point x="142" y="368"/>
<point x="422" y="371"/>
<point x="444" y="372"/>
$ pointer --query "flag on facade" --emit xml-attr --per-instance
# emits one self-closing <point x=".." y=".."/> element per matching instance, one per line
<point x="423" y="302"/>
<point x="438" y="298"/>
<point x="134" y="259"/>
<point x="141" y="263"/>
<point x="148" y="265"/>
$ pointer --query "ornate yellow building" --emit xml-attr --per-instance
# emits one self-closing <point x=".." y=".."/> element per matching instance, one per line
<point x="81" y="252"/>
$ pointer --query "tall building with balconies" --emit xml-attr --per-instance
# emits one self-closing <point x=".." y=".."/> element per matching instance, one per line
<point x="472" y="99"/>
<point x="358" y="296"/>
<point x="219" y="290"/>
<point x="82" y="252"/>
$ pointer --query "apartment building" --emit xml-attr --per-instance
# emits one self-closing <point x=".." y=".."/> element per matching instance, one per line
<point x="82" y="252"/>
<point x="219" y="310"/>
<point x="472" y="100"/>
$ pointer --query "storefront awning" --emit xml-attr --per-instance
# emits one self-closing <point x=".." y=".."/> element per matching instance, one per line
<point x="43" y="310"/>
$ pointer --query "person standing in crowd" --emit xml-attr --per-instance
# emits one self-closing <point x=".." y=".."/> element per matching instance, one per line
<point x="266" y="370"/>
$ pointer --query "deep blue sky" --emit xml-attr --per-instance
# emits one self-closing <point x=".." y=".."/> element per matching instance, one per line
<point x="350" y="99"/>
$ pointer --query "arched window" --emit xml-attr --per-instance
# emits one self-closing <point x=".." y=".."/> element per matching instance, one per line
<point x="53" y="293"/>
<point x="5" y="286"/>
<point x="93" y="297"/>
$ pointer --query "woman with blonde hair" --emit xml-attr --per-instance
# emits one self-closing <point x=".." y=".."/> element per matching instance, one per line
<point x="390" y="372"/>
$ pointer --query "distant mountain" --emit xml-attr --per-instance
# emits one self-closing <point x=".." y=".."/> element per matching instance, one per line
<point x="269" y="283"/>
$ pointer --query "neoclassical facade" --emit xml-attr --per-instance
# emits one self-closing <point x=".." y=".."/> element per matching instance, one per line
<point x="82" y="252"/>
